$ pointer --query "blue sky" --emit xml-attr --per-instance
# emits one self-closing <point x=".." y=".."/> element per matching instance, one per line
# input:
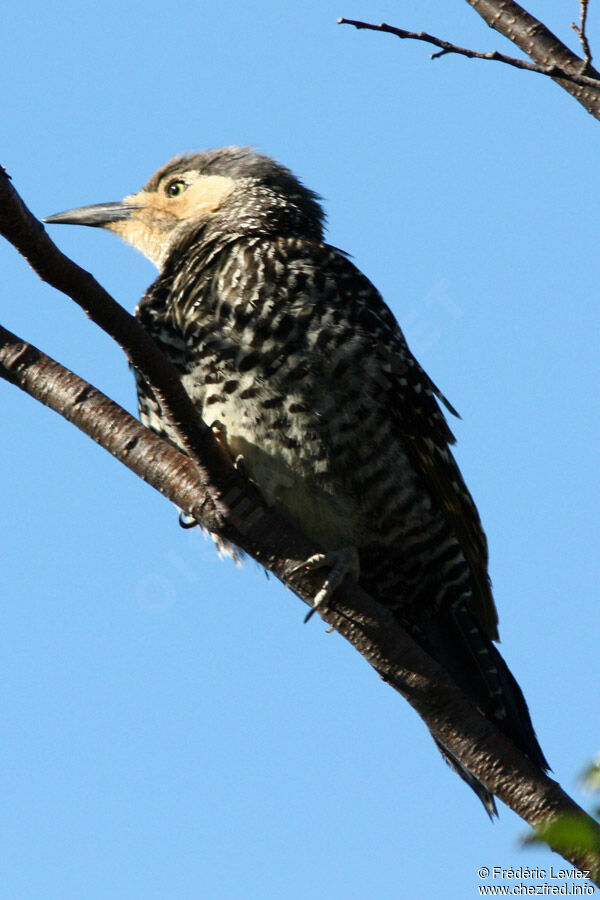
<point x="171" y="729"/>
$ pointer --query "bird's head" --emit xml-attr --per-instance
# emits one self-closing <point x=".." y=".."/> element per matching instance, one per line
<point x="217" y="195"/>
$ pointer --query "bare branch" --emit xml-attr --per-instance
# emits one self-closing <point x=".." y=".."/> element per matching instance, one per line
<point x="552" y="71"/>
<point x="27" y="234"/>
<point x="248" y="522"/>
<point x="160" y="464"/>
<point x="543" y="47"/>
<point x="550" y="56"/>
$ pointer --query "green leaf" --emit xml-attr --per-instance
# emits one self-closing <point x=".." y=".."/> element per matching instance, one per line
<point x="566" y="833"/>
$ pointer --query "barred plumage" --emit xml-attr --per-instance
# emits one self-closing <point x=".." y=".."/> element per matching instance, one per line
<point x="286" y="344"/>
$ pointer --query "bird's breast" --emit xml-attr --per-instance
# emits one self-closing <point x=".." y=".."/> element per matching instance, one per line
<point x="284" y="452"/>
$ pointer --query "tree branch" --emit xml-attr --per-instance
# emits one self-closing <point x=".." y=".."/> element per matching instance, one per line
<point x="217" y="496"/>
<point x="448" y="47"/>
<point x="542" y="46"/>
<point x="550" y="56"/>
<point x="19" y="226"/>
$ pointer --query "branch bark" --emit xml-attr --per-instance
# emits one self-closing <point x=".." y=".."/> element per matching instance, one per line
<point x="543" y="47"/>
<point x="207" y="487"/>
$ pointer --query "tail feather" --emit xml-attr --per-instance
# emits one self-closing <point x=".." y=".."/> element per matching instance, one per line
<point x="454" y="637"/>
<point x="484" y="795"/>
<point x="506" y="704"/>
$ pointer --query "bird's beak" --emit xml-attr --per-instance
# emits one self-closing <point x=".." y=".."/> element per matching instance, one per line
<point x="98" y="215"/>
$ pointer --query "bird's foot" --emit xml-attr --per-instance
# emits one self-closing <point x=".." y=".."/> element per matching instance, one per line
<point x="341" y="562"/>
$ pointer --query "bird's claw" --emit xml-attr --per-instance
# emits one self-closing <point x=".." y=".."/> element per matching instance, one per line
<point x="342" y="562"/>
<point x="186" y="521"/>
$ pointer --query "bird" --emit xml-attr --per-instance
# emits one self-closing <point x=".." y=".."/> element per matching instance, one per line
<point x="288" y="350"/>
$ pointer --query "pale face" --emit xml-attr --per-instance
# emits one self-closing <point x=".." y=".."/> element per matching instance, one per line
<point x="160" y="216"/>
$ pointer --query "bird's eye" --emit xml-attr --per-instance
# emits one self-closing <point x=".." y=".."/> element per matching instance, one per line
<point x="175" y="188"/>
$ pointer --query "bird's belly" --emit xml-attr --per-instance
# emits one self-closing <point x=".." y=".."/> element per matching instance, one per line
<point x="287" y="473"/>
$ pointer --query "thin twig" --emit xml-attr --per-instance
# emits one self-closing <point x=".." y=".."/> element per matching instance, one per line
<point x="583" y="39"/>
<point x="551" y="71"/>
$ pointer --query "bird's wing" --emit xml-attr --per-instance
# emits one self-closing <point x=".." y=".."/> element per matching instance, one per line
<point x="413" y="399"/>
<point x="427" y="438"/>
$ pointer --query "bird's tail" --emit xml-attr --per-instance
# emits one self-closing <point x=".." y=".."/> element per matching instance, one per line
<point x="456" y="640"/>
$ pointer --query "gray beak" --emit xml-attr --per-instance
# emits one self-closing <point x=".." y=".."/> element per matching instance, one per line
<point x="97" y="215"/>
